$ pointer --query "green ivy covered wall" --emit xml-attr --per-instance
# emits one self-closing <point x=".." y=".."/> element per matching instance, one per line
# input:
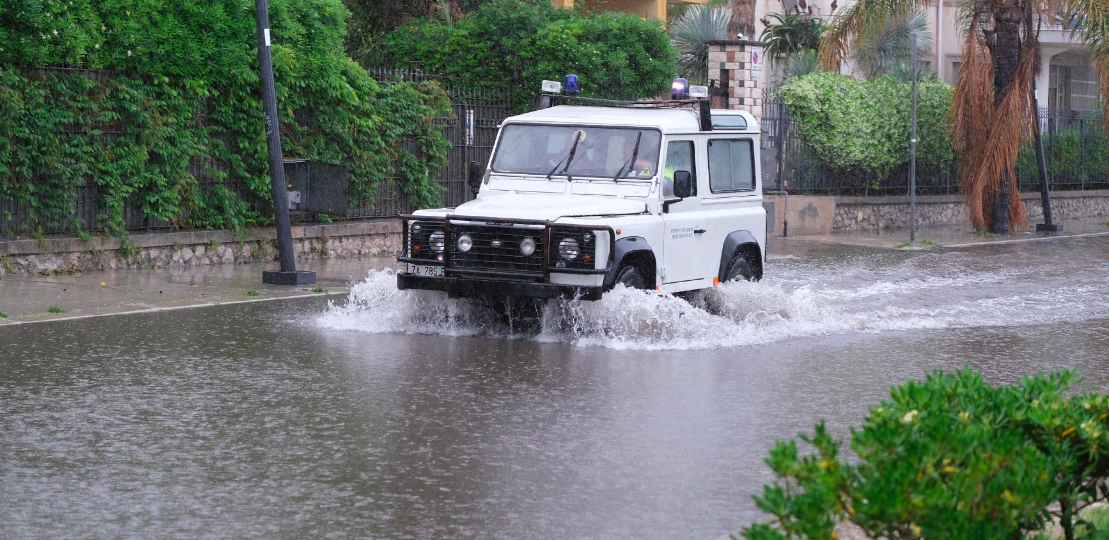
<point x="137" y="90"/>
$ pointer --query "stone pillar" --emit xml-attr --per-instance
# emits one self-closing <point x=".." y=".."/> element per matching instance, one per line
<point x="731" y="63"/>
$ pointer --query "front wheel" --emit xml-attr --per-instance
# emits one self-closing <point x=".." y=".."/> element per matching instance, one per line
<point x="630" y="277"/>
<point x="739" y="269"/>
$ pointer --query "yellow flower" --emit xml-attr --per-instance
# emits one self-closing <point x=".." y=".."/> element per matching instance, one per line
<point x="949" y="469"/>
<point x="1068" y="431"/>
<point x="964" y="416"/>
<point x="910" y="416"/>
<point x="1007" y="495"/>
<point x="1103" y="416"/>
<point x="850" y="510"/>
<point x="915" y="528"/>
<point x="834" y="535"/>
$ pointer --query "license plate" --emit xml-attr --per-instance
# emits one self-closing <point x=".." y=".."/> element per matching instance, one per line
<point x="421" y="270"/>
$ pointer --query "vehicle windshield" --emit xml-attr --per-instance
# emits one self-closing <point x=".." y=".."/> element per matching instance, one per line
<point x="598" y="152"/>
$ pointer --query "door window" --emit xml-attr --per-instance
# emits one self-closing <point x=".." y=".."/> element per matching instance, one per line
<point x="731" y="165"/>
<point x="679" y="157"/>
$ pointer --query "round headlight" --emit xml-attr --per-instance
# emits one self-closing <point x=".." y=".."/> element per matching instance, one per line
<point x="416" y="227"/>
<point x="527" y="246"/>
<point x="465" y="243"/>
<point x="438" y="241"/>
<point x="568" y="249"/>
<point x="587" y="237"/>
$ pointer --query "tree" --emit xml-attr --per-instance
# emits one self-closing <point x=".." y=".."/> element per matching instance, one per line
<point x="993" y="107"/>
<point x="743" y="18"/>
<point x="791" y="33"/>
<point x="889" y="49"/>
<point x="691" y="32"/>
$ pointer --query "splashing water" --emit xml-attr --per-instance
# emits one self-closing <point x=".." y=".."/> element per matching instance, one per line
<point x="800" y="299"/>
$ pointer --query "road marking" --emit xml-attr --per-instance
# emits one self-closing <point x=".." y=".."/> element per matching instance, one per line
<point x="171" y="308"/>
<point x="988" y="243"/>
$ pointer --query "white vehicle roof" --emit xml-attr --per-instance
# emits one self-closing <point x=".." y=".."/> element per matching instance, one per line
<point x="684" y="120"/>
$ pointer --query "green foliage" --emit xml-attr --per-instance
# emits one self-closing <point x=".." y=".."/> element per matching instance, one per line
<point x="319" y="289"/>
<point x="184" y="89"/>
<point x="863" y="127"/>
<point x="1073" y="157"/>
<point x="789" y="33"/>
<point x="691" y="33"/>
<point x="55" y="309"/>
<point x="889" y="48"/>
<point x="4" y="315"/>
<point x="252" y="292"/>
<point x="950" y="458"/>
<point x="512" y="45"/>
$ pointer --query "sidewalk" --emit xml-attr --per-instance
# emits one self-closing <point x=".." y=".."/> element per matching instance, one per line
<point x="28" y="298"/>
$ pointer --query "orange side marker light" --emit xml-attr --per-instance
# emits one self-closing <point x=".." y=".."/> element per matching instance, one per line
<point x="715" y="281"/>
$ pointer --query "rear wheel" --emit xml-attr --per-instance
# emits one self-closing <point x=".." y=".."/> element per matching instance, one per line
<point x="631" y="278"/>
<point x="739" y="269"/>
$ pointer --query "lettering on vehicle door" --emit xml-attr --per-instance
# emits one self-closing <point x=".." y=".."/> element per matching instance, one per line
<point x="681" y="232"/>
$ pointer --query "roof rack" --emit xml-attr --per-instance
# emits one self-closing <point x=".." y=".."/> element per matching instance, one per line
<point x="701" y="106"/>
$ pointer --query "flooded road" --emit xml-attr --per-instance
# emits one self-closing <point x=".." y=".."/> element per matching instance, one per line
<point x="407" y="415"/>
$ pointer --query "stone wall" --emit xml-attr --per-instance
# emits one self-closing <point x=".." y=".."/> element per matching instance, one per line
<point x="730" y="66"/>
<point x="377" y="238"/>
<point x="875" y="214"/>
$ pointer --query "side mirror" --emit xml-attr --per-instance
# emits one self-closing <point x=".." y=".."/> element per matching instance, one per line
<point x="476" y="171"/>
<point x="683" y="184"/>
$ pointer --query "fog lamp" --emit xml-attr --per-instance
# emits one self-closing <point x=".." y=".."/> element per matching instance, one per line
<point x="527" y="246"/>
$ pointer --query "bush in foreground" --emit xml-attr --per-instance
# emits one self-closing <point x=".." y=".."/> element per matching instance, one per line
<point x="950" y="458"/>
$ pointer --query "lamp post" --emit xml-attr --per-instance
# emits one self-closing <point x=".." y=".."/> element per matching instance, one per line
<point x="912" y="154"/>
<point x="288" y="275"/>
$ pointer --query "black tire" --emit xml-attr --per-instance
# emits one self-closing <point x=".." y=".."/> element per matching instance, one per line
<point x="630" y="277"/>
<point x="739" y="269"/>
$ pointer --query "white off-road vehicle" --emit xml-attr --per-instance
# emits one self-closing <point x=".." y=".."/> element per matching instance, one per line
<point x="577" y="199"/>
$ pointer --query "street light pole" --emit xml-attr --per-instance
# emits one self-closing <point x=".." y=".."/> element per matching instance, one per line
<point x="288" y="274"/>
<point x="912" y="154"/>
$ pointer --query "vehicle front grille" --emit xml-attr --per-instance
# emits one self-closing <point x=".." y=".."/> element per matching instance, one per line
<point x="496" y="251"/>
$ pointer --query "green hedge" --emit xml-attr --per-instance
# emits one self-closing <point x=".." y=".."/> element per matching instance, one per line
<point x="186" y="85"/>
<point x="513" y="45"/>
<point x="863" y="127"/>
<point x="950" y="458"/>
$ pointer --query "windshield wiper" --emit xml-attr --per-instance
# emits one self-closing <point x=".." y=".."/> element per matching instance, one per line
<point x="569" y="157"/>
<point x="631" y="161"/>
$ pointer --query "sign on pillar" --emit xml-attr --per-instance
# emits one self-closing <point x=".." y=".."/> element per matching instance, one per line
<point x="756" y="62"/>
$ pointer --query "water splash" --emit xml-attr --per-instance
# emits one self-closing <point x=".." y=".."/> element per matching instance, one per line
<point x="801" y="299"/>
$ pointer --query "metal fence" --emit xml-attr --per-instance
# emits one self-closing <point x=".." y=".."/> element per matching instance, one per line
<point x="1075" y="148"/>
<point x="471" y="130"/>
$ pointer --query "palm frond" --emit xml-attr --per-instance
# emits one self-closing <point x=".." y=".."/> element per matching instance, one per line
<point x="863" y="18"/>
<point x="880" y="54"/>
<point x="690" y="34"/>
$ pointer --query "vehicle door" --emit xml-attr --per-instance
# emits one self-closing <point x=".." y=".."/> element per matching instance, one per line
<point x="683" y="237"/>
<point x="733" y="201"/>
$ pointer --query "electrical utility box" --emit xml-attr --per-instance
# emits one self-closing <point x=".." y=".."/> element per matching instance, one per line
<point x="317" y="188"/>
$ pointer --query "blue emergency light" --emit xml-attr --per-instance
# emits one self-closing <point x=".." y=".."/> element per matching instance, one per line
<point x="570" y="87"/>
<point x="680" y="89"/>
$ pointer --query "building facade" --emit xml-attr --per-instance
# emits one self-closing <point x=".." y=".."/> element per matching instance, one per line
<point x="1068" y="79"/>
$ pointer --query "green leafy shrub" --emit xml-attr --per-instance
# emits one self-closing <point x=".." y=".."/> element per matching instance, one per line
<point x="1072" y="157"/>
<point x="863" y="127"/>
<point x="949" y="458"/>
<point x="512" y="45"/>
<point x="184" y="87"/>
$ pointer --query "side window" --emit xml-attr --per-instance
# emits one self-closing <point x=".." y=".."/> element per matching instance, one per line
<point x="731" y="165"/>
<point x="680" y="157"/>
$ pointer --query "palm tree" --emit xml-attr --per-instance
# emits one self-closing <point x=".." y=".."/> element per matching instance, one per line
<point x="992" y="110"/>
<point x="743" y="18"/>
<point x="888" y="49"/>
<point x="791" y="33"/>
<point x="698" y="25"/>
